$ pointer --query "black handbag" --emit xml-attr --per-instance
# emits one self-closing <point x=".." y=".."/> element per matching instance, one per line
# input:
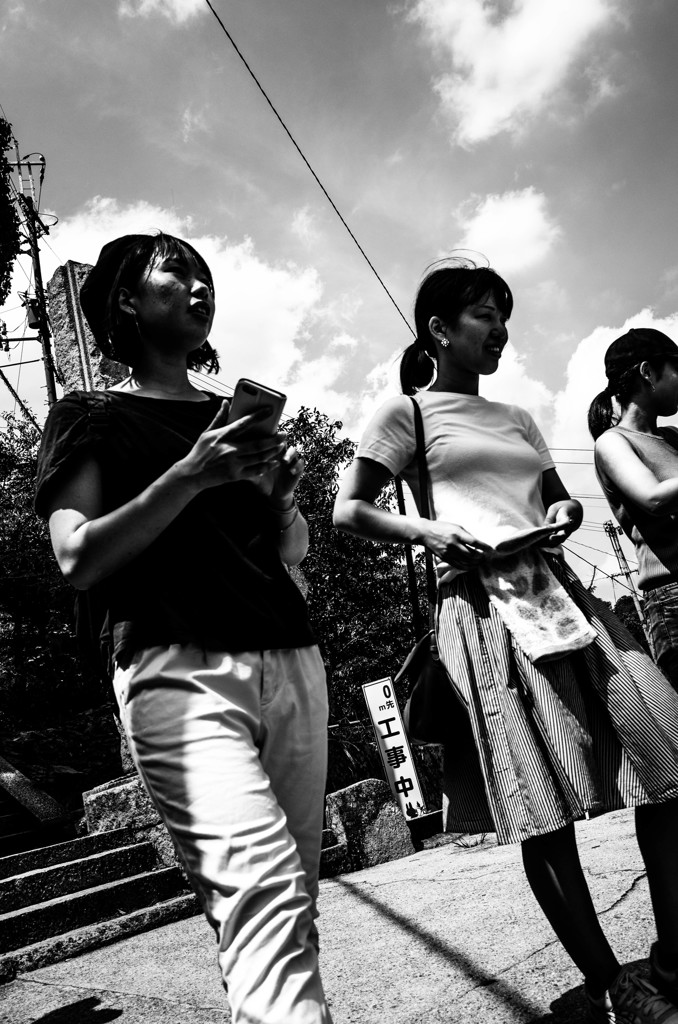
<point x="432" y="706"/>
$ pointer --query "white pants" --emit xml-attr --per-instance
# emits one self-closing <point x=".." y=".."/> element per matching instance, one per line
<point x="232" y="749"/>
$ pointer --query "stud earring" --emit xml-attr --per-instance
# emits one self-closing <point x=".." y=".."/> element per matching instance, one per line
<point x="444" y="342"/>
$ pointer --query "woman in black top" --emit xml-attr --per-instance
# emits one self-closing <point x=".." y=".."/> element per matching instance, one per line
<point x="182" y="525"/>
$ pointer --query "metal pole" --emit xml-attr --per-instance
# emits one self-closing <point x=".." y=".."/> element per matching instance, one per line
<point x="24" y="408"/>
<point x="43" y="326"/>
<point x="613" y="531"/>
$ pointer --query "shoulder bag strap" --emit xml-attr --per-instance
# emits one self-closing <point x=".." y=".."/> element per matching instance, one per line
<point x="409" y="559"/>
<point x="425" y="509"/>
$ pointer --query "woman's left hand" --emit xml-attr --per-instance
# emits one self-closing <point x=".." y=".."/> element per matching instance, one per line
<point x="566" y="517"/>
<point x="281" y="484"/>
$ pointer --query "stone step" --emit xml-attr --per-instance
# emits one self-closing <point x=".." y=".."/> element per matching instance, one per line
<point x="12" y="821"/>
<point x="33" y="924"/>
<point x="328" y="838"/>
<point x="44" y="883"/>
<point x="32" y="837"/>
<point x="61" y="852"/>
<point x="334" y="860"/>
<point x="101" y="933"/>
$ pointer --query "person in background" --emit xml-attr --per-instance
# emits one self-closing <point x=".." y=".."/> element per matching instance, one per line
<point x="637" y="467"/>
<point x="180" y="524"/>
<point x="569" y="716"/>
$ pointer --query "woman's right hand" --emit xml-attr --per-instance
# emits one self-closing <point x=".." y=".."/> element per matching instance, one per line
<point x="230" y="452"/>
<point x="454" y="545"/>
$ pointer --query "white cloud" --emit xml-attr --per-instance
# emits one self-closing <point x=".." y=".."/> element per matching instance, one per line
<point x="304" y="226"/>
<point x="270" y="322"/>
<point x="192" y="122"/>
<point x="501" y="71"/>
<point x="514" y="230"/>
<point x="513" y="384"/>
<point x="177" y="11"/>
<point x="261" y="309"/>
<point x="585" y="375"/>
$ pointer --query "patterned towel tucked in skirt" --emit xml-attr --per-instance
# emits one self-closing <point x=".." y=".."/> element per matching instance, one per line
<point x="593" y="731"/>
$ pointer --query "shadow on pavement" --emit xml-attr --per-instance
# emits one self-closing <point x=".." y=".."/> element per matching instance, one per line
<point x="85" y="1011"/>
<point x="510" y="996"/>
<point x="571" y="1008"/>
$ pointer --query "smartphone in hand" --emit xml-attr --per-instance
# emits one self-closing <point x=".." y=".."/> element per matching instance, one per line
<point x="249" y="397"/>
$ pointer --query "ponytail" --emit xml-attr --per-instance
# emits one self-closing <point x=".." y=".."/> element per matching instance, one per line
<point x="416" y="369"/>
<point x="621" y="386"/>
<point x="601" y="414"/>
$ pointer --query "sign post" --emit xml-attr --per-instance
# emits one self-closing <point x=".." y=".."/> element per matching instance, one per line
<point x="394" y="746"/>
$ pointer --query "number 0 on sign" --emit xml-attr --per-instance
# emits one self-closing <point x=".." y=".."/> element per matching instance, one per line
<point x="394" y="747"/>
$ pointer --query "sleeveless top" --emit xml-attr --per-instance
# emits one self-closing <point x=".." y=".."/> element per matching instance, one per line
<point x="655" y="537"/>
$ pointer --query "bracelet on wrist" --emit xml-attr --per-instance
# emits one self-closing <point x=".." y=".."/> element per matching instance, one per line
<point x="284" y="511"/>
<point x="294" y="508"/>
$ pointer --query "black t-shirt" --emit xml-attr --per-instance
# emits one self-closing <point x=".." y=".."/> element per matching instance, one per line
<point x="214" y="576"/>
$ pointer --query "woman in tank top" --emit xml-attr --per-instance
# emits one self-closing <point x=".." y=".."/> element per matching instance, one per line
<point x="637" y="466"/>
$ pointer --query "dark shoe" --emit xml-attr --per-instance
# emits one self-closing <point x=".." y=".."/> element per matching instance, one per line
<point x="665" y="981"/>
<point x="631" y="999"/>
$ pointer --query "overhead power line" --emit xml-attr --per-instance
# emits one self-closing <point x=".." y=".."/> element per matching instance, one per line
<point x="599" y="550"/>
<point x="598" y="569"/>
<point x="303" y="157"/>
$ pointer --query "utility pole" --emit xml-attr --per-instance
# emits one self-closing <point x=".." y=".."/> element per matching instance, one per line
<point x="22" y="405"/>
<point x="613" y="531"/>
<point x="34" y="229"/>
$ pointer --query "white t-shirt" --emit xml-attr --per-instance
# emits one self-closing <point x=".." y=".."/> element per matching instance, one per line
<point x="485" y="460"/>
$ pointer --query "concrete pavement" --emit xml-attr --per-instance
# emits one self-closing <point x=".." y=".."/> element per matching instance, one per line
<point x="448" y="934"/>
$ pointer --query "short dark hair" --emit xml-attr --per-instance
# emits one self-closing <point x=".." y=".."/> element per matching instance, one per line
<point x="121" y="264"/>
<point x="445" y="292"/>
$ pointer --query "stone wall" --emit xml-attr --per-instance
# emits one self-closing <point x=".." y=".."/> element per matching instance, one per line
<point x="81" y="365"/>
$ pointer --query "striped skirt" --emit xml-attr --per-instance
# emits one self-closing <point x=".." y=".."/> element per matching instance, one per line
<point x="535" y="747"/>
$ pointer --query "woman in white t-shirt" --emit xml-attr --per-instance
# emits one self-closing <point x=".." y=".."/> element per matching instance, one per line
<point x="560" y="733"/>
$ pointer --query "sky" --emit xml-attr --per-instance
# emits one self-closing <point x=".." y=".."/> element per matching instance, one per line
<point x="539" y="134"/>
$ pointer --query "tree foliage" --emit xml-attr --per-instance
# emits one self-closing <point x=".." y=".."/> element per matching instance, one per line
<point x="55" y="708"/>
<point x="10" y="239"/>
<point x="55" y="715"/>
<point x="625" y="610"/>
<point x="358" y="596"/>
<point x="33" y="598"/>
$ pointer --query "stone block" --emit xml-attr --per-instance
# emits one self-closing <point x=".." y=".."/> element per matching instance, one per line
<point x="120" y="803"/>
<point x="80" y="363"/>
<point x="39" y="804"/>
<point x="366" y="817"/>
<point x="124" y="803"/>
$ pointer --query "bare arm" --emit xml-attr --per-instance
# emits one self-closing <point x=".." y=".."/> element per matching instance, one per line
<point x="633" y="478"/>
<point x="355" y="512"/>
<point x="293" y="541"/>
<point x="90" y="545"/>
<point x="563" y="511"/>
